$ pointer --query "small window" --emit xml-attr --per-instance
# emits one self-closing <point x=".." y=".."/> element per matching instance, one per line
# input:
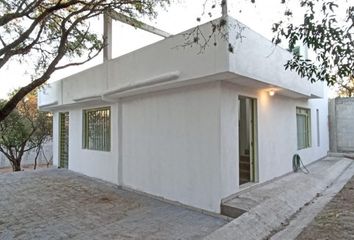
<point x="303" y="121"/>
<point x="97" y="129"/>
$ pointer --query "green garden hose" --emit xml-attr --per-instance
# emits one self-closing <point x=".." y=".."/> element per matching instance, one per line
<point x="297" y="164"/>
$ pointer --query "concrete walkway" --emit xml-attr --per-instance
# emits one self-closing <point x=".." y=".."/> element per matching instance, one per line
<point x="60" y="204"/>
<point x="271" y="207"/>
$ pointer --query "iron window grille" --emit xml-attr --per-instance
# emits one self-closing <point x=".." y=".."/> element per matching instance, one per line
<point x="97" y="129"/>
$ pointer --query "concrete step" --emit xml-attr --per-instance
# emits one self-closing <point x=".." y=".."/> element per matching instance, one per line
<point x="244" y="180"/>
<point x="245" y="171"/>
<point x="245" y="165"/>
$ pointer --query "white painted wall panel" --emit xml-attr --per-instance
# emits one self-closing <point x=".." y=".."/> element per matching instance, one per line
<point x="277" y="133"/>
<point x="99" y="164"/>
<point x="171" y="145"/>
<point x="258" y="58"/>
<point x="182" y="143"/>
<point x="91" y="82"/>
<point x="316" y="151"/>
<point x="229" y="141"/>
<point x="50" y="94"/>
<point x="168" y="56"/>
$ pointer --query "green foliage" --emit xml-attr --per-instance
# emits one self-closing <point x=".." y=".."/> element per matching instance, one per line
<point x="43" y="33"/>
<point x="323" y="32"/>
<point x="37" y="31"/>
<point x="14" y="130"/>
<point x="24" y="129"/>
<point x="345" y="87"/>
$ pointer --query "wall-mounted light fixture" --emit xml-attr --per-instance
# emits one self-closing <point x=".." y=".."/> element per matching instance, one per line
<point x="271" y="93"/>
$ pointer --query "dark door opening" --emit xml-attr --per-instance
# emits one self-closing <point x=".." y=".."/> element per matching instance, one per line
<point x="247" y="143"/>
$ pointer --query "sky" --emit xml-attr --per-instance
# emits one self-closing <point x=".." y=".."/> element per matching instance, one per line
<point x="180" y="15"/>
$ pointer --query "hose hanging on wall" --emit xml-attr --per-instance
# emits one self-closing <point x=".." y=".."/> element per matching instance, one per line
<point x="297" y="164"/>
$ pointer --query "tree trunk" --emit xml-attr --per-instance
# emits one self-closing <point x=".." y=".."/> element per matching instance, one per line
<point x="16" y="164"/>
<point x="38" y="151"/>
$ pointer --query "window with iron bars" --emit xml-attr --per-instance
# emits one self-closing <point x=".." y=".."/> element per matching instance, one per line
<point x="97" y="129"/>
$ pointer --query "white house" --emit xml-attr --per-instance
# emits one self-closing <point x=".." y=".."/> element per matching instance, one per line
<point x="188" y="127"/>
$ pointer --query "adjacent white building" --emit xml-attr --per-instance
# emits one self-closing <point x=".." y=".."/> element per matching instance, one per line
<point x="188" y="127"/>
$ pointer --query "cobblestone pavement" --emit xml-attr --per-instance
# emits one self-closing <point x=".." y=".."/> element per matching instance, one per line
<point x="60" y="204"/>
<point x="28" y="167"/>
<point x="336" y="220"/>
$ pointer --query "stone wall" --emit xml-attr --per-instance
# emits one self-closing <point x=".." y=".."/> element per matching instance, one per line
<point x="341" y="120"/>
<point x="28" y="158"/>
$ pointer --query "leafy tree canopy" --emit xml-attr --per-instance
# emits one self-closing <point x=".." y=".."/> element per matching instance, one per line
<point x="327" y="29"/>
<point x="43" y="32"/>
<point x="24" y="129"/>
<point x="345" y="87"/>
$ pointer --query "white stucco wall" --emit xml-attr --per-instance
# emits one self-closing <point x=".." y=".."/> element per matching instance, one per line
<point x="88" y="83"/>
<point x="51" y="94"/>
<point x="182" y="144"/>
<point x="277" y="130"/>
<point x="139" y="66"/>
<point x="179" y="139"/>
<point x="171" y="145"/>
<point x="100" y="164"/>
<point x="254" y="57"/>
<point x="257" y="58"/>
<point x="229" y="131"/>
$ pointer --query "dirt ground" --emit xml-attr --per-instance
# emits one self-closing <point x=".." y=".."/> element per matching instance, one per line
<point x="336" y="220"/>
<point x="25" y="168"/>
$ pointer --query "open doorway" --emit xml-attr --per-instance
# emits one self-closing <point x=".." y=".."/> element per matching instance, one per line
<point x="247" y="139"/>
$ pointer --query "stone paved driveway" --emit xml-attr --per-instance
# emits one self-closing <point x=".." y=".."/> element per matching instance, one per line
<point x="60" y="204"/>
